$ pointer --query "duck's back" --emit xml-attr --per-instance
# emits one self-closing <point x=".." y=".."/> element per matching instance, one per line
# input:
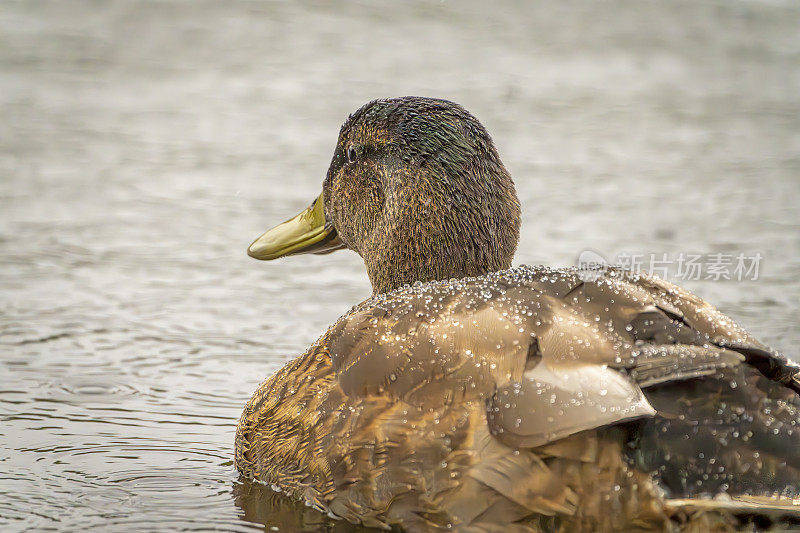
<point x="533" y="398"/>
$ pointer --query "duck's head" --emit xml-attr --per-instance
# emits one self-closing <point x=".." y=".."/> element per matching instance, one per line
<point x="417" y="189"/>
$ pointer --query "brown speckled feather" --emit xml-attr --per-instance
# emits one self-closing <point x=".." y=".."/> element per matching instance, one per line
<point x="521" y="397"/>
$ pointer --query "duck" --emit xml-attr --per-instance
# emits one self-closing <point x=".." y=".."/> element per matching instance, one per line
<point x="469" y="395"/>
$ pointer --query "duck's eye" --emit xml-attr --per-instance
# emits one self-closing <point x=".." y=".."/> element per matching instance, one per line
<point x="351" y="154"/>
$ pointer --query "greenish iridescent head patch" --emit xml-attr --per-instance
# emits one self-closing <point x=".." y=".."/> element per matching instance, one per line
<point x="417" y="188"/>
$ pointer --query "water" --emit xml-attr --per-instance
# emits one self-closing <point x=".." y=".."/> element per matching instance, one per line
<point x="143" y="145"/>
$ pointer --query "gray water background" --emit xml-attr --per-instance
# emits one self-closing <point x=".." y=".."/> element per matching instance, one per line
<point x="143" y="145"/>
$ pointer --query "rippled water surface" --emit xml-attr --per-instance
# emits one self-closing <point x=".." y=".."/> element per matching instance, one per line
<point x="143" y="145"/>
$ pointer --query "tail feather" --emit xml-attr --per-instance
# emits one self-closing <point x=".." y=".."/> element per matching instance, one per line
<point x="736" y="432"/>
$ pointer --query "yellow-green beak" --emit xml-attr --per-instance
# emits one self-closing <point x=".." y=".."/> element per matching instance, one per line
<point x="307" y="233"/>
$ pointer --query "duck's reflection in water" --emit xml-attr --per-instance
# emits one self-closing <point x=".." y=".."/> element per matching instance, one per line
<point x="262" y="505"/>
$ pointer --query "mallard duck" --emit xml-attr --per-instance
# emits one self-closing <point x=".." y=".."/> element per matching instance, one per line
<point x="471" y="396"/>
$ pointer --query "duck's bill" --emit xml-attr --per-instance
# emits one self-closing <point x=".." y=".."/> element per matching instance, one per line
<point x="307" y="233"/>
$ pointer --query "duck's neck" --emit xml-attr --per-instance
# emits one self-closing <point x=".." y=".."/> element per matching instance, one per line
<point x="446" y="255"/>
<point x="405" y="265"/>
<point x="444" y="226"/>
